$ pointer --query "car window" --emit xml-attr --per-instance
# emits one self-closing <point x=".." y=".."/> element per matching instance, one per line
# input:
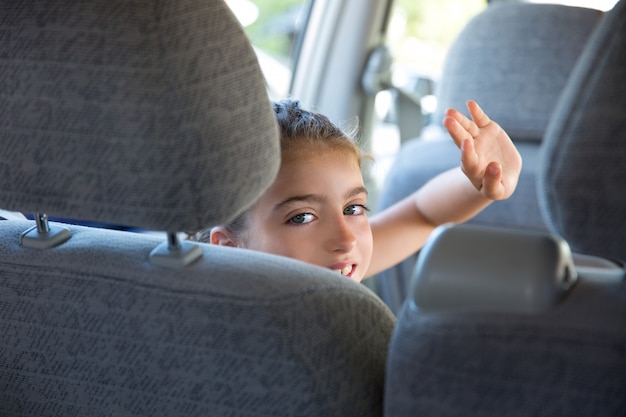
<point x="273" y="27"/>
<point x="419" y="35"/>
<point x="603" y="5"/>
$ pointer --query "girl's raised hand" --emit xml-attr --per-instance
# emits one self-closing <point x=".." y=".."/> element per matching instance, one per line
<point x="488" y="156"/>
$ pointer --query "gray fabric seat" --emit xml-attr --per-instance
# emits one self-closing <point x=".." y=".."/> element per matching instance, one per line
<point x="513" y="59"/>
<point x="568" y="359"/>
<point x="154" y="115"/>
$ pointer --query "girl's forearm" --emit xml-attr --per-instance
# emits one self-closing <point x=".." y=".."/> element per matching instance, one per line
<point x="402" y="229"/>
<point x="449" y="197"/>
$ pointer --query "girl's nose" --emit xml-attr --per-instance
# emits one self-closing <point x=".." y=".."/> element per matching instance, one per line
<point x="341" y="238"/>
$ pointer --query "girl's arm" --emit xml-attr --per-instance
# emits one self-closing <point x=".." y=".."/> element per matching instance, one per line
<point x="490" y="168"/>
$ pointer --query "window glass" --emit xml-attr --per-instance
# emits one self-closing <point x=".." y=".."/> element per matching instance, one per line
<point x="603" y="5"/>
<point x="420" y="32"/>
<point x="419" y="35"/>
<point x="273" y="27"/>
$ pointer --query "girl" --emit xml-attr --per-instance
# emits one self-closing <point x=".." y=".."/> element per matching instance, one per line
<point x="316" y="209"/>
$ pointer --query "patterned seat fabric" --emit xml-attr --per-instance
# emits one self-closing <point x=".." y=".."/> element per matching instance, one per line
<point x="154" y="114"/>
<point x="569" y="359"/>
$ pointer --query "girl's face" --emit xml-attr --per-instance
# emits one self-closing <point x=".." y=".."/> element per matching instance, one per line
<point x="315" y="212"/>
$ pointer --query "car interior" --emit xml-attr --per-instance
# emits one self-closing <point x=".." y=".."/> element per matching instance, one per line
<point x="153" y="115"/>
<point x="143" y="125"/>
<point x="514" y="59"/>
<point x="554" y="343"/>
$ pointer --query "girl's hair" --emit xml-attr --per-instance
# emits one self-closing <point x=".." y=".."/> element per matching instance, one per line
<point x="301" y="133"/>
<point x="304" y="131"/>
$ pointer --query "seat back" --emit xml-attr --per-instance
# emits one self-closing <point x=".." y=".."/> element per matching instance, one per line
<point x="567" y="354"/>
<point x="580" y="187"/>
<point x="513" y="59"/>
<point x="154" y="115"/>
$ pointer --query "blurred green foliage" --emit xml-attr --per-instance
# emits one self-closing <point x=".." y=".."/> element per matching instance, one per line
<point x="437" y="20"/>
<point x="420" y="31"/>
<point x="276" y="26"/>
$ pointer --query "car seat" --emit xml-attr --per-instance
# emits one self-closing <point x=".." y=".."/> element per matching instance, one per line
<point x="465" y="348"/>
<point x="513" y="59"/>
<point x="154" y="115"/>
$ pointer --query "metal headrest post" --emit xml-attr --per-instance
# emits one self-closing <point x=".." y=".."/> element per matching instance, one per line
<point x="44" y="235"/>
<point x="174" y="253"/>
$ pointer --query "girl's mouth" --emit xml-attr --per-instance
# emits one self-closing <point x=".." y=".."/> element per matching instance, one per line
<point x="346" y="271"/>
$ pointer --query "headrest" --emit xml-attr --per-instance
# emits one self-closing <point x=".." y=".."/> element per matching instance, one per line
<point x="583" y="164"/>
<point x="514" y="59"/>
<point x="151" y="114"/>
<point x="473" y="268"/>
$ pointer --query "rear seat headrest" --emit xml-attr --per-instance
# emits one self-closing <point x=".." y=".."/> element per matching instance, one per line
<point x="146" y="114"/>
<point x="518" y="57"/>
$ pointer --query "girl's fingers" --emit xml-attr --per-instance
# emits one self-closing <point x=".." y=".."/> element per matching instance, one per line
<point x="478" y="115"/>
<point x="469" y="159"/>
<point x="465" y="123"/>
<point x="470" y="164"/>
<point x="456" y="130"/>
<point x="492" y="181"/>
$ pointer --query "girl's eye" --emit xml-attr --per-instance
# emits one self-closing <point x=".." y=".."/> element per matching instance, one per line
<point x="302" y="218"/>
<point x="355" y="210"/>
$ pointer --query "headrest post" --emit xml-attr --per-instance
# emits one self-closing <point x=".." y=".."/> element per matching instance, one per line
<point x="43" y="235"/>
<point x="173" y="243"/>
<point x="174" y="253"/>
<point x="42" y="222"/>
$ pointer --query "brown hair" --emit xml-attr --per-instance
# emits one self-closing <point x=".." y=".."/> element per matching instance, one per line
<point x="300" y="127"/>
<point x="300" y="132"/>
